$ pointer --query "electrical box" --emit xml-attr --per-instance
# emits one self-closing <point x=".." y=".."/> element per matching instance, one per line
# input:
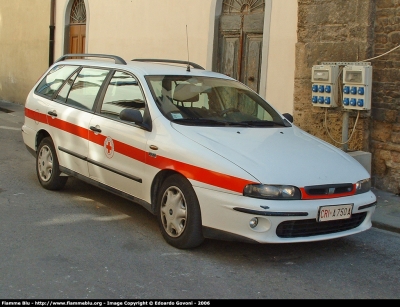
<point x="357" y="85"/>
<point x="324" y="85"/>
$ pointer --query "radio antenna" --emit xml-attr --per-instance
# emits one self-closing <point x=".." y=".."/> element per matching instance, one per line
<point x="187" y="46"/>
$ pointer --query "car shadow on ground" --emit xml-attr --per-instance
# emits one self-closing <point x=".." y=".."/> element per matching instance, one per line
<point x="210" y="247"/>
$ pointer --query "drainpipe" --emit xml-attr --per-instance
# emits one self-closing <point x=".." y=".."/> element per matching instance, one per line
<point x="52" y="27"/>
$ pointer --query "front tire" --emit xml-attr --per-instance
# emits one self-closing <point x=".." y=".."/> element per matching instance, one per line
<point x="47" y="167"/>
<point x="178" y="213"/>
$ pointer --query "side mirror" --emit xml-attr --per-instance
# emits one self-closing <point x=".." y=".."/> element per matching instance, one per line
<point x="288" y="116"/>
<point x="131" y="115"/>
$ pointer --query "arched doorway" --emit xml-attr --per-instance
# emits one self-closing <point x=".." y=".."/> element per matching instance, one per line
<point x="240" y="35"/>
<point x="77" y="27"/>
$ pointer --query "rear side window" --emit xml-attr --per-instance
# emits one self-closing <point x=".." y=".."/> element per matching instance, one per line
<point x="63" y="93"/>
<point x="54" y="80"/>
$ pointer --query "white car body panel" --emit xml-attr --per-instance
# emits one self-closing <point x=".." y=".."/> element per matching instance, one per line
<point x="218" y="213"/>
<point x="218" y="161"/>
<point x="172" y="145"/>
<point x="121" y="136"/>
<point x="279" y="155"/>
<point x="68" y="141"/>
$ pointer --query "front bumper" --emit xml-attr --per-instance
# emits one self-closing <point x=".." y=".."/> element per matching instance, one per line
<point x="227" y="215"/>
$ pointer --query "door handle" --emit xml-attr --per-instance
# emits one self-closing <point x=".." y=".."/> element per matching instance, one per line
<point x="95" y="129"/>
<point x="52" y="113"/>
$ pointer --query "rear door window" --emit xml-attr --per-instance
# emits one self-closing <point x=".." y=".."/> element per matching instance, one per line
<point x="85" y="88"/>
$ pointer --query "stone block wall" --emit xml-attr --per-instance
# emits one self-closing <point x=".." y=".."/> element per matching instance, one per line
<point x="385" y="130"/>
<point x="353" y="31"/>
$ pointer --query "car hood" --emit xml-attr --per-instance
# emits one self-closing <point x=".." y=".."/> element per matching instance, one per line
<point x="286" y="155"/>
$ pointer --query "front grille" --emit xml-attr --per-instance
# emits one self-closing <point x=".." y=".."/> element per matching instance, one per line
<point x="329" y="189"/>
<point x="307" y="228"/>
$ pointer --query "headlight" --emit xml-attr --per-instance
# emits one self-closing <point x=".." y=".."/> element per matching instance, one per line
<point x="363" y="186"/>
<point x="267" y="191"/>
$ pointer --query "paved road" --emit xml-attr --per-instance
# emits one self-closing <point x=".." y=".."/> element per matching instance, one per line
<point x="84" y="243"/>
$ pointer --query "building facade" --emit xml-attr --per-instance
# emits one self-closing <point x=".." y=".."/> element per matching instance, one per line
<point x="270" y="45"/>
<point x="24" y="46"/>
<point x="173" y="29"/>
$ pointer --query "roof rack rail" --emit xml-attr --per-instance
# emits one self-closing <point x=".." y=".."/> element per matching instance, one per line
<point x="194" y="65"/>
<point x="117" y="59"/>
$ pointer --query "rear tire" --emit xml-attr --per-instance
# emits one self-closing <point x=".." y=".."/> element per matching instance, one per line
<point x="47" y="167"/>
<point x="178" y="213"/>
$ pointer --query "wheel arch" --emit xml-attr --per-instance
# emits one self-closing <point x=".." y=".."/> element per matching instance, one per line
<point x="156" y="185"/>
<point x="178" y="211"/>
<point x="40" y="135"/>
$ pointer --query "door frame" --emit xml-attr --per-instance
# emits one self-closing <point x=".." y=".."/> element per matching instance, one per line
<point x="214" y="42"/>
<point x="66" y="32"/>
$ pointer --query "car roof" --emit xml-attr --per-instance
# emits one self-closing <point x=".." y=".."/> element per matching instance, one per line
<point x="146" y="67"/>
<point x="154" y="68"/>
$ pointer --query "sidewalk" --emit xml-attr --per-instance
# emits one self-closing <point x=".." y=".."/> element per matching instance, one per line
<point x="387" y="212"/>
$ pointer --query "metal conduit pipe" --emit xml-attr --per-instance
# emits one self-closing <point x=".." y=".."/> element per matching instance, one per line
<point x="345" y="130"/>
<point x="52" y="27"/>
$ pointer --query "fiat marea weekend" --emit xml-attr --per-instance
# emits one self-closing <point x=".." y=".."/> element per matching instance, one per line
<point x="201" y="151"/>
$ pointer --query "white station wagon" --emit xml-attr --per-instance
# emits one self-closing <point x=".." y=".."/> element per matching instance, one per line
<point x="201" y="151"/>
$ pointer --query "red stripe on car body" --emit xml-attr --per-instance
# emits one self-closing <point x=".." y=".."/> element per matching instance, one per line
<point x="189" y="171"/>
<point x="68" y="127"/>
<point x="122" y="148"/>
<point x="200" y="174"/>
<point x="36" y="116"/>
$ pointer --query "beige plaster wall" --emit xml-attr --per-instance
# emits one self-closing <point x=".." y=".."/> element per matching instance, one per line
<point x="281" y="54"/>
<point x="157" y="29"/>
<point x="24" y="46"/>
<point x="59" y="21"/>
<point x="146" y="29"/>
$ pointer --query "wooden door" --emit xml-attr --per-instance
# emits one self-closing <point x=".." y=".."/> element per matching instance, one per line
<point x="77" y="37"/>
<point x="240" y="41"/>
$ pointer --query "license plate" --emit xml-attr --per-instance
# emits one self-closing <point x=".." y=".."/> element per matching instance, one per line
<point x="331" y="213"/>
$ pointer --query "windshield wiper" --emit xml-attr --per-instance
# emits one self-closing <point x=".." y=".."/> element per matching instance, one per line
<point x="214" y="122"/>
<point x="200" y="121"/>
<point x="263" y="123"/>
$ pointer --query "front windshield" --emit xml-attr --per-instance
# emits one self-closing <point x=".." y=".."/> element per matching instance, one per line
<point x="196" y="100"/>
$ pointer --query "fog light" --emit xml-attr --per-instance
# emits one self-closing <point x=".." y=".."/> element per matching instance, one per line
<point x="253" y="222"/>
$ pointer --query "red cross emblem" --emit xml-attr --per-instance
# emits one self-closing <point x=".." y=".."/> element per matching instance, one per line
<point x="109" y="147"/>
